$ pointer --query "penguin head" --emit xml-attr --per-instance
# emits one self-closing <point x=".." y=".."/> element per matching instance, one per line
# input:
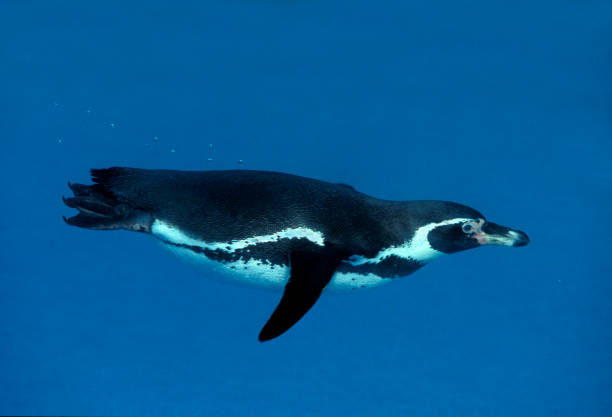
<point x="460" y="227"/>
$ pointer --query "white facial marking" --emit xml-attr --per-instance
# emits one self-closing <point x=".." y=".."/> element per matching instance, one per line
<point x="172" y="234"/>
<point x="416" y="249"/>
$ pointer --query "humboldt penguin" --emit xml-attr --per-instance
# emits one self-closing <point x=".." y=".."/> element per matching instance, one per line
<point x="282" y="230"/>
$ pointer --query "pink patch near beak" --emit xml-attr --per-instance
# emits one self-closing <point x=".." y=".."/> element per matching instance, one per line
<point x="478" y="234"/>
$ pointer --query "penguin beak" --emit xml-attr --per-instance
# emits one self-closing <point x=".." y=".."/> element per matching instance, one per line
<point x="494" y="234"/>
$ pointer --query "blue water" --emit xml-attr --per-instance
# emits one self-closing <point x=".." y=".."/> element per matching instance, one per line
<point x="505" y="107"/>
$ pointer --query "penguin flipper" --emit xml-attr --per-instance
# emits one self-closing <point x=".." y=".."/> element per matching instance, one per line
<point x="311" y="271"/>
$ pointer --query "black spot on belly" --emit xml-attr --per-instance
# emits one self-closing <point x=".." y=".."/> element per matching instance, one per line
<point x="390" y="267"/>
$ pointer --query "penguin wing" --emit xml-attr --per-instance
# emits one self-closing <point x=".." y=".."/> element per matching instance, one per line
<point x="311" y="271"/>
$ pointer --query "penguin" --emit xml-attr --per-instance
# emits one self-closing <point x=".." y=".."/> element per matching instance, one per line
<point x="280" y="230"/>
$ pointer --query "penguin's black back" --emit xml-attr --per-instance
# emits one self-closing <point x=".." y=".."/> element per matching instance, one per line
<point x="237" y="204"/>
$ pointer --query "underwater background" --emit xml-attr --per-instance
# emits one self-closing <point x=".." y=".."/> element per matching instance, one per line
<point x="503" y="106"/>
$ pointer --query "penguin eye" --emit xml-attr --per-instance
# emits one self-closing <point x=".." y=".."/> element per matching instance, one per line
<point x="467" y="228"/>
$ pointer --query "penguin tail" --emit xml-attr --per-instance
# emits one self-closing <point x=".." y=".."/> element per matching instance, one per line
<point x="101" y="209"/>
